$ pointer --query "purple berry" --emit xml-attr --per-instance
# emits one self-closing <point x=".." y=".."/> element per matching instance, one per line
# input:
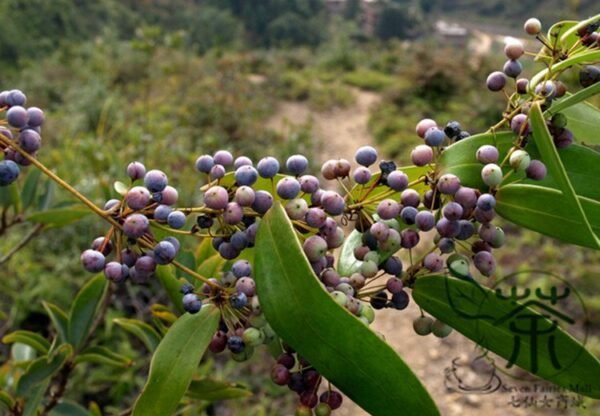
<point x="361" y="175"/>
<point x="410" y="198"/>
<point x="434" y="137"/>
<point x="486" y="202"/>
<point x="246" y="175"/>
<point x="512" y="68"/>
<point x="487" y="154"/>
<point x="397" y="180"/>
<point x="393" y="266"/>
<point x="9" y="172"/>
<point x="394" y="285"/>
<point x="135" y="225"/>
<point x="30" y="140"/>
<point x="448" y="184"/>
<point x="288" y="188"/>
<point x="536" y="170"/>
<point x="467" y="229"/>
<point x="176" y="219"/>
<point x="223" y="157"/>
<point x="116" y="272"/>
<point x="169" y="195"/>
<point x="453" y="211"/>
<point x="315" y="248"/>
<point x="400" y="300"/>
<point x="409" y="214"/>
<point x="366" y="156"/>
<point x="522" y="84"/>
<point x="563" y="139"/>
<point x="433" y="262"/>
<point x="520" y="125"/>
<point x="296" y="209"/>
<point x="424" y="125"/>
<point x="17" y="117"/>
<point x="136" y="170"/>
<point x="137" y="198"/>
<point x="485" y="263"/>
<point x="425" y="220"/>
<point x="216" y="197"/>
<point x="244" y="196"/>
<point x="447" y="228"/>
<point x="388" y="209"/>
<point x="262" y="202"/>
<point x="409" y="238"/>
<point x="421" y="155"/>
<point x="483" y="216"/>
<point x="466" y="197"/>
<point x="496" y="81"/>
<point x="242" y="161"/>
<point x="332" y="202"/>
<point x="267" y="167"/>
<point x="217" y="172"/>
<point x="93" y="261"/>
<point x="164" y="252"/>
<point x="315" y="217"/>
<point x="309" y="184"/>
<point x="16" y="97"/>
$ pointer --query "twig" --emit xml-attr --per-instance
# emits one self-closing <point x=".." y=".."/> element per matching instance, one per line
<point x="34" y="231"/>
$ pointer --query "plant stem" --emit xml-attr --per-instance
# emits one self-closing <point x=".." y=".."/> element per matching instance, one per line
<point x="32" y="233"/>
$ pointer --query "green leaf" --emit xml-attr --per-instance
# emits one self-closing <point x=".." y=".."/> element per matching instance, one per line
<point x="340" y="347"/>
<point x="58" y="217"/>
<point x="211" y="390"/>
<point x="142" y="330"/>
<point x="588" y="56"/>
<point x="211" y="266"/>
<point x="34" y="398"/>
<point x="30" y="188"/>
<point x="35" y="341"/>
<point x="572" y="99"/>
<point x="59" y="319"/>
<point x="549" y="153"/>
<point x="347" y="263"/>
<point x="121" y="188"/>
<point x="583" y="120"/>
<point x="166" y="276"/>
<point x="479" y="314"/>
<point x="102" y="355"/>
<point x="174" y="362"/>
<point x="42" y="369"/>
<point x="543" y="210"/>
<point x="46" y="199"/>
<point x="69" y="408"/>
<point x="188" y="259"/>
<point x="83" y="310"/>
<point x="10" y="196"/>
<point x="6" y="400"/>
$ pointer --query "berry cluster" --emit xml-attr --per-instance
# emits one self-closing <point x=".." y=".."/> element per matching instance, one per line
<point x="137" y="252"/>
<point x="299" y="376"/>
<point x="22" y="127"/>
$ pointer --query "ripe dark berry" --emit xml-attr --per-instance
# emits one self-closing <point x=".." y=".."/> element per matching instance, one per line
<point x="267" y="167"/>
<point x="453" y="211"/>
<point x="218" y="343"/>
<point x="379" y="300"/>
<point x="296" y="164"/>
<point x="315" y="248"/>
<point x="116" y="272"/>
<point x="280" y="375"/>
<point x="512" y="68"/>
<point x="176" y="219"/>
<point x="16" y="97"/>
<point x="332" y="202"/>
<point x="135" y="225"/>
<point x="30" y="140"/>
<point x="217" y="172"/>
<point x="296" y="383"/>
<point x="486" y="202"/>
<point x="536" y="170"/>
<point x="164" y="252"/>
<point x="400" y="300"/>
<point x="9" y="172"/>
<point x="433" y="262"/>
<point x="425" y="220"/>
<point x="589" y="75"/>
<point x="309" y="184"/>
<point x="387" y="166"/>
<point x="563" y="138"/>
<point x="204" y="221"/>
<point x="408" y="214"/>
<point x="242" y="161"/>
<point x="447" y="228"/>
<point x="205" y="163"/>
<point x="448" y="184"/>
<point x="137" y="198"/>
<point x="388" y="209"/>
<point x="522" y="84"/>
<point x="288" y="188"/>
<point x="452" y="129"/>
<point x="332" y="398"/>
<point x="235" y="344"/>
<point x="17" y="117"/>
<point x="485" y="263"/>
<point x="136" y="170"/>
<point x="434" y="137"/>
<point x="246" y="175"/>
<point x="186" y="288"/>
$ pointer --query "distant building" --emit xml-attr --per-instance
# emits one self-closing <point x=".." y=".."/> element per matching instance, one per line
<point x="452" y="32"/>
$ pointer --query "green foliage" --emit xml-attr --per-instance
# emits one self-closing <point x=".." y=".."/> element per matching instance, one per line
<point x="174" y="362"/>
<point x="485" y="318"/>
<point x="348" y="354"/>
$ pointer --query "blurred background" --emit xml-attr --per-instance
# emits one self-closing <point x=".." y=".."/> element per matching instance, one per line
<point x="163" y="81"/>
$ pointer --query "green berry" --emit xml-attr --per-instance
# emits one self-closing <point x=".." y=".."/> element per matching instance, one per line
<point x="440" y="329"/>
<point x="491" y="174"/>
<point x="519" y="160"/>
<point x="253" y="337"/>
<point x="322" y="409"/>
<point x="423" y="325"/>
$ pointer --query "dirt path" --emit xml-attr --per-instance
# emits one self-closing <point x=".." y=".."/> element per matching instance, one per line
<point x="339" y="133"/>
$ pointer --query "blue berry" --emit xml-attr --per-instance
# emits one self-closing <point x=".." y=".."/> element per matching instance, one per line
<point x="361" y="175"/>
<point x="434" y="137"/>
<point x="30" y="140"/>
<point x="9" y="172"/>
<point x="235" y="344"/>
<point x="446" y="245"/>
<point x="155" y="180"/>
<point x="263" y="201"/>
<point x="268" y="167"/>
<point x="393" y="266"/>
<point x="137" y="198"/>
<point x="186" y="288"/>
<point x="16" y="97"/>
<point x="217" y="172"/>
<point x="467" y="229"/>
<point x="452" y="129"/>
<point x="242" y="161"/>
<point x="191" y="303"/>
<point x="453" y="211"/>
<point x="409" y="214"/>
<point x="205" y="163"/>
<point x="173" y="241"/>
<point x="36" y="117"/>
<point x="400" y="300"/>
<point x="164" y="252"/>
<point x="296" y="164"/>
<point x="239" y="240"/>
<point x="216" y="197"/>
<point x="397" y="180"/>
<point x="176" y="219"/>
<point x="241" y="268"/>
<point x="496" y="81"/>
<point x="288" y="188"/>
<point x="425" y="220"/>
<point x="366" y="156"/>
<point x="116" y="272"/>
<point x="447" y="228"/>
<point x="512" y="68"/>
<point x="486" y="202"/>
<point x="246" y="175"/>
<point x="238" y="300"/>
<point x="309" y="184"/>
<point x="332" y="202"/>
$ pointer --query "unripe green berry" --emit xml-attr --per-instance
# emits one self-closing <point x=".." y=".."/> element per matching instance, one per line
<point x="244" y="355"/>
<point x="440" y="329"/>
<point x="303" y="411"/>
<point x="372" y="256"/>
<point x="367" y="312"/>
<point x="253" y="337"/>
<point x="491" y="174"/>
<point x="322" y="409"/>
<point x="340" y="298"/>
<point x="423" y="325"/>
<point x="369" y="268"/>
<point x="519" y="160"/>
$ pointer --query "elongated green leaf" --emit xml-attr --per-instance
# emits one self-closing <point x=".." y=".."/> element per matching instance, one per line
<point x="102" y="355"/>
<point x="211" y="266"/>
<point x="174" y="362"/>
<point x="6" y="400"/>
<point x="10" y="196"/>
<point x="573" y="99"/>
<point x="34" y="398"/>
<point x="47" y="197"/>
<point x="166" y="276"/>
<point x="58" y="217"/>
<point x="582" y="120"/>
<point x="42" y="369"/>
<point x="30" y="188"/>
<point x="340" y="347"/>
<point x="487" y="319"/>
<point x="142" y="330"/>
<point x="542" y="210"/>
<point x="580" y="58"/>
<point x="84" y="308"/>
<point x="347" y="263"/>
<point x="69" y="408"/>
<point x="35" y="341"/>
<point x="212" y="390"/>
<point x="59" y="319"/>
<point x="549" y="153"/>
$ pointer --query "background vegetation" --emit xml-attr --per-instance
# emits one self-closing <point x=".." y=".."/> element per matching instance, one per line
<point x="164" y="81"/>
